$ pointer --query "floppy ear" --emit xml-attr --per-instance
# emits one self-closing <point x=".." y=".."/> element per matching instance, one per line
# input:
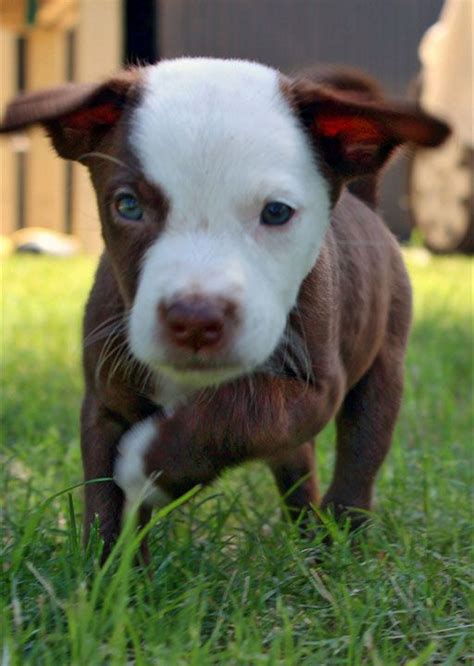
<point x="354" y="137"/>
<point x="76" y="116"/>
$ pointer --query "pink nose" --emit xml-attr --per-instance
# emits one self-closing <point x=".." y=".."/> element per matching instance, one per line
<point x="197" y="322"/>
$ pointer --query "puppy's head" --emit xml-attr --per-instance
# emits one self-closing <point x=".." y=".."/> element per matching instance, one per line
<point x="215" y="181"/>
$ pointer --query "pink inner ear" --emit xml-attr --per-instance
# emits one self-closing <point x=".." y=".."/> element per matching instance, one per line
<point x="350" y="129"/>
<point x="87" y="119"/>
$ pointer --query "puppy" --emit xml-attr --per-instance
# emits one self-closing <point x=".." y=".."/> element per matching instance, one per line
<point x="245" y="297"/>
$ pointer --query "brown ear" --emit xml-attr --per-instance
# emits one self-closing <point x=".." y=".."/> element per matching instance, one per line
<point x="75" y="116"/>
<point x="356" y="137"/>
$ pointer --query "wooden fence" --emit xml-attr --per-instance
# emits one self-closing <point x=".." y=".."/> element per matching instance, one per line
<point x="37" y="189"/>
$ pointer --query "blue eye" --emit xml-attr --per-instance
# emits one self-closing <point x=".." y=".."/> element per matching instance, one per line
<point x="127" y="206"/>
<point x="276" y="213"/>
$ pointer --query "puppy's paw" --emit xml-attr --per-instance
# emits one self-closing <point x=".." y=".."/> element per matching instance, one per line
<point x="129" y="471"/>
<point x="347" y="514"/>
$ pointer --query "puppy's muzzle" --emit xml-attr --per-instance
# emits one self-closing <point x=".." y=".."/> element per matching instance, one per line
<point x="197" y="322"/>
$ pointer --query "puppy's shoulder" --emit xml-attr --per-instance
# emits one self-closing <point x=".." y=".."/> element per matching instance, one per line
<point x="352" y="219"/>
<point x="360" y="239"/>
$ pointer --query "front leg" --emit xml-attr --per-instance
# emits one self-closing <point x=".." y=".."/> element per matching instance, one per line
<point x="100" y="434"/>
<point x="295" y="476"/>
<point x="365" y="427"/>
<point x="258" y="419"/>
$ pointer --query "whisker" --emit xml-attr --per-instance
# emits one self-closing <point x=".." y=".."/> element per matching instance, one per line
<point x="136" y="375"/>
<point x="113" y="324"/>
<point x="364" y="243"/>
<point x="106" y="353"/>
<point x="291" y="356"/>
<point x="303" y="348"/>
<point x="148" y="377"/>
<point x="119" y="360"/>
<point x="109" y="158"/>
<point x="251" y="388"/>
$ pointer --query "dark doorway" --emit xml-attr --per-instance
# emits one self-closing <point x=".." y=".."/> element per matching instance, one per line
<point x="141" y="32"/>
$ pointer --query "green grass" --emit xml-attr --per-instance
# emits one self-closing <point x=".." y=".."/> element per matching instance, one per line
<point x="231" y="583"/>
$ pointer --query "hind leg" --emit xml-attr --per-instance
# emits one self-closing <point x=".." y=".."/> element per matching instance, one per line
<point x="295" y="476"/>
<point x="365" y="427"/>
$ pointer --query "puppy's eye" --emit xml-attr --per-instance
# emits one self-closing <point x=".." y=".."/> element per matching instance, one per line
<point x="276" y="213"/>
<point x="127" y="206"/>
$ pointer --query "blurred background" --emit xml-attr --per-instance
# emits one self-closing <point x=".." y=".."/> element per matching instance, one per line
<point x="47" y="42"/>
<point x="231" y="583"/>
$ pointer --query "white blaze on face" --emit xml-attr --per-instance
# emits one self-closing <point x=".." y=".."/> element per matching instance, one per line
<point x="220" y="139"/>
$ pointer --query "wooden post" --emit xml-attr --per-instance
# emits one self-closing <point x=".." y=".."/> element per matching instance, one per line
<point x="98" y="54"/>
<point x="46" y="174"/>
<point x="8" y="181"/>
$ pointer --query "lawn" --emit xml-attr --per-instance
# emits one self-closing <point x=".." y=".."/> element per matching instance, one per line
<point x="231" y="583"/>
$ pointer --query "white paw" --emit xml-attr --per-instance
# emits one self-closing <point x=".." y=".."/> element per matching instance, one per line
<point x="129" y="471"/>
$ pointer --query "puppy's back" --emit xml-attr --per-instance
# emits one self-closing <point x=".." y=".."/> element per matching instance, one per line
<point x="374" y="288"/>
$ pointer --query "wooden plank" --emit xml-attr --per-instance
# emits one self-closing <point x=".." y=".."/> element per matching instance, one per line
<point x="45" y="184"/>
<point x="8" y="181"/>
<point x="98" y="54"/>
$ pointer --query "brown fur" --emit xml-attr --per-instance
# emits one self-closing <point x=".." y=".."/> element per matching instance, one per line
<point x="357" y="85"/>
<point x="353" y="313"/>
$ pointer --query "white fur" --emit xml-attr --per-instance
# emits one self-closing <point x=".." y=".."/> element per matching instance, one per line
<point x="221" y="140"/>
<point x="129" y="473"/>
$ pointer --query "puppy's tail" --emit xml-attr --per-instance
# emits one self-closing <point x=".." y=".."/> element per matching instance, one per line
<point x="356" y="84"/>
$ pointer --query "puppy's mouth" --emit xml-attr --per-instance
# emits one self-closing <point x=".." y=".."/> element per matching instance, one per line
<point x="200" y="372"/>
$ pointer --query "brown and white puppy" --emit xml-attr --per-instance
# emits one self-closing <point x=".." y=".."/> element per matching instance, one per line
<point x="245" y="297"/>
